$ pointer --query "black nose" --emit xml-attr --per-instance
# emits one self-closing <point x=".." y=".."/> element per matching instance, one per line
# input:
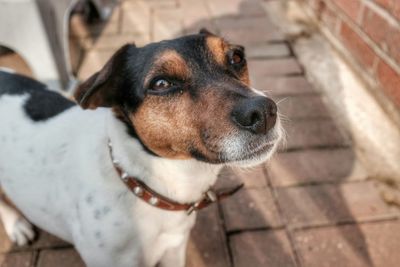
<point x="256" y="114"/>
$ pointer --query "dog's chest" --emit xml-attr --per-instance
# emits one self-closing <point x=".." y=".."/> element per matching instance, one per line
<point x="135" y="230"/>
<point x="160" y="230"/>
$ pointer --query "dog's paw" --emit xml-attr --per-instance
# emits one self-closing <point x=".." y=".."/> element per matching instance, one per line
<point x="19" y="230"/>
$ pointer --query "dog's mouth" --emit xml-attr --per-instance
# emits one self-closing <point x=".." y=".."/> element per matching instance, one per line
<point x="259" y="150"/>
<point x="253" y="155"/>
<point x="240" y="147"/>
<point x="245" y="153"/>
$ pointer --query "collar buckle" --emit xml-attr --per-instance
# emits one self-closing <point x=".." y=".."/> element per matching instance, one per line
<point x="211" y="195"/>
<point x="193" y="207"/>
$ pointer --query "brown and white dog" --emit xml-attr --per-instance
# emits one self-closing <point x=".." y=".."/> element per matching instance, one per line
<point x="175" y="112"/>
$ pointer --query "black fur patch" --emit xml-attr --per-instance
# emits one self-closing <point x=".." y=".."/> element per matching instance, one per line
<point x="42" y="103"/>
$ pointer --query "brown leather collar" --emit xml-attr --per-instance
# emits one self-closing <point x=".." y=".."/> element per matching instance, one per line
<point x="142" y="191"/>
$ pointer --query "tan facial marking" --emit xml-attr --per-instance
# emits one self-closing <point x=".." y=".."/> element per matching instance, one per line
<point x="170" y="63"/>
<point x="244" y="77"/>
<point x="218" y="48"/>
<point x="172" y="127"/>
<point x="164" y="126"/>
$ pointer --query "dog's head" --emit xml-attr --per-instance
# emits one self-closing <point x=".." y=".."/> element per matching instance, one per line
<point x="187" y="98"/>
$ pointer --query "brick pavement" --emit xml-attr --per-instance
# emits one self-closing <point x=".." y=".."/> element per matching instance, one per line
<point x="312" y="205"/>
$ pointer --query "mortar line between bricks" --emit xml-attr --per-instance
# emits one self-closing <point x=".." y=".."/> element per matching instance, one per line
<point x="268" y="57"/>
<point x="266" y="176"/>
<point x="294" y="74"/>
<point x="230" y="254"/>
<point x="280" y="41"/>
<point x="283" y="75"/>
<point x="270" y="41"/>
<point x="28" y="248"/>
<point x="235" y="15"/>
<point x="35" y="260"/>
<point x="102" y="49"/>
<point x="392" y="218"/>
<point x="315" y="147"/>
<point x="305" y="94"/>
<point x="292" y="52"/>
<point x="301" y="149"/>
<point x="109" y="34"/>
<point x="285" y="227"/>
<point x="231" y="233"/>
<point x="313" y="119"/>
<point x="56" y="247"/>
<point x="59" y="248"/>
<point x="227" y="239"/>
<point x="318" y="183"/>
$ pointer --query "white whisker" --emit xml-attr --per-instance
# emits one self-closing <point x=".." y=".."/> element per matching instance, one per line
<point x="282" y="100"/>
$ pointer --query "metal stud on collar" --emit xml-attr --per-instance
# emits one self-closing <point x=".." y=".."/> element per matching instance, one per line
<point x="125" y="176"/>
<point x="211" y="195"/>
<point x="153" y="201"/>
<point x="138" y="191"/>
<point x="193" y="208"/>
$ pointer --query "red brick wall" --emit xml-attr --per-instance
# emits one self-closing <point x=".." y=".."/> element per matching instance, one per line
<point x="370" y="31"/>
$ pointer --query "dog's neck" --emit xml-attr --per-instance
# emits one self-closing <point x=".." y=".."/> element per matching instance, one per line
<point x="184" y="181"/>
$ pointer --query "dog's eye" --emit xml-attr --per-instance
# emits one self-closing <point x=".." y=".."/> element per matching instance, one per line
<point x="161" y="84"/>
<point x="236" y="58"/>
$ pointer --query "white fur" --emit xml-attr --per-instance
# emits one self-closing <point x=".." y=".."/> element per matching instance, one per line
<point x="59" y="173"/>
<point x="258" y="92"/>
<point x="8" y="70"/>
<point x="17" y="228"/>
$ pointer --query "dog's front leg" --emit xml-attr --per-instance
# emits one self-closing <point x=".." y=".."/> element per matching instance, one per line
<point x="18" y="229"/>
<point x="175" y="256"/>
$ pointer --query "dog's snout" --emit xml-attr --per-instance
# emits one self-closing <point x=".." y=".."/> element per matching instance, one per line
<point x="256" y="114"/>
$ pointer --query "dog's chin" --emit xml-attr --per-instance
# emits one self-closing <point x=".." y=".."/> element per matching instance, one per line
<point x="256" y="157"/>
<point x="245" y="150"/>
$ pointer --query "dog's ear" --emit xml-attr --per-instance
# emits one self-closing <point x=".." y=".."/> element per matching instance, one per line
<point x="102" y="88"/>
<point x="205" y="32"/>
